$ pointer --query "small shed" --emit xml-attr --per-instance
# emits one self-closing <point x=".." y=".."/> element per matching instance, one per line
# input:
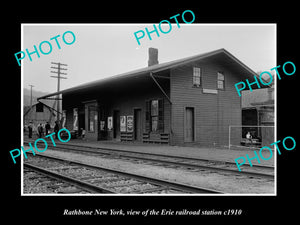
<point x="39" y="113"/>
<point x="258" y="115"/>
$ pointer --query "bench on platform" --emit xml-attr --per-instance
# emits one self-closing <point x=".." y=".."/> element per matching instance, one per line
<point x="252" y="142"/>
<point x="162" y="138"/>
<point x="126" y="136"/>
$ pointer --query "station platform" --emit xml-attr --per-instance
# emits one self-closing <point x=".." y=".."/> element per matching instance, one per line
<point x="210" y="153"/>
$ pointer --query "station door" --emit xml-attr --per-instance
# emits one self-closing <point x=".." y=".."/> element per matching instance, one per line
<point x="189" y="135"/>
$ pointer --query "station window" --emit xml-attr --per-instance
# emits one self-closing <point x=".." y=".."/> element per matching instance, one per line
<point x="220" y="81"/>
<point x="197" y="76"/>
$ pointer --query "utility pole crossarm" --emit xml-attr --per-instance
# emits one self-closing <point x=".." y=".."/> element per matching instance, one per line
<point x="59" y="64"/>
<point x="57" y="68"/>
<point x="58" y="72"/>
<point x="59" y="77"/>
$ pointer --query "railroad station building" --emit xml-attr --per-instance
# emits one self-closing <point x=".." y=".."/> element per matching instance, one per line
<point x="189" y="101"/>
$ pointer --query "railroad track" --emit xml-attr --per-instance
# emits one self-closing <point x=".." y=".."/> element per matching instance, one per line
<point x="37" y="182"/>
<point x="97" y="179"/>
<point x="173" y="161"/>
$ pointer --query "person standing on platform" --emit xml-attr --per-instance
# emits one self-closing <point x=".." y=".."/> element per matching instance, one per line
<point x="82" y="133"/>
<point x="47" y="127"/>
<point x="30" y="130"/>
<point x="249" y="137"/>
<point x="40" y="130"/>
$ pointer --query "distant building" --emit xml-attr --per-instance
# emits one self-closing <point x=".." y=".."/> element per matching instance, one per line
<point x="258" y="110"/>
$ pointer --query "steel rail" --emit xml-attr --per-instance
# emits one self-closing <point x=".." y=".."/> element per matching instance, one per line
<point x="143" y="156"/>
<point x="160" y="182"/>
<point x="78" y="183"/>
<point x="155" y="154"/>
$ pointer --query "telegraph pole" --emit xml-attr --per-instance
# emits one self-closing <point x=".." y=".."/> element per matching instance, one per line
<point x="31" y="94"/>
<point x="59" y="73"/>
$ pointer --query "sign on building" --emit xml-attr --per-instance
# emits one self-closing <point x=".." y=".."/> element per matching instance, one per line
<point x="130" y="124"/>
<point x="123" y="123"/>
<point x="109" y="123"/>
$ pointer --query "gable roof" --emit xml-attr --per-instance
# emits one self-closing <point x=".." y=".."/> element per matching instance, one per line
<point x="246" y="71"/>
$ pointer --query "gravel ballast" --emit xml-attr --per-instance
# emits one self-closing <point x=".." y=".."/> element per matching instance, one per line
<point x="226" y="183"/>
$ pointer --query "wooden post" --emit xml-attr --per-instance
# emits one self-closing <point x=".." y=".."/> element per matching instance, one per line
<point x="59" y="73"/>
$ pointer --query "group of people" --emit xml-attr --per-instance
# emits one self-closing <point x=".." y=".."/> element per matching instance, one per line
<point x="41" y="127"/>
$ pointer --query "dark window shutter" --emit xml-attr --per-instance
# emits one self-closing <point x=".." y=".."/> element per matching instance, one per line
<point x="147" y="116"/>
<point x="161" y="115"/>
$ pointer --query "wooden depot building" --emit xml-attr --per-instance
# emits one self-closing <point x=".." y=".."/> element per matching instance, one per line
<point x="187" y="101"/>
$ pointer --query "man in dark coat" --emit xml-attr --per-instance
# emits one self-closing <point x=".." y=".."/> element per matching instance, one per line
<point x="47" y="127"/>
<point x="40" y="130"/>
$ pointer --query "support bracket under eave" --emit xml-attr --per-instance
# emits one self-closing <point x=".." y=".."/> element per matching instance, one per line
<point x="162" y="90"/>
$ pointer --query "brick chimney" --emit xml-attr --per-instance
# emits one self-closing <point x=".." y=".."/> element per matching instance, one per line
<point x="153" y="56"/>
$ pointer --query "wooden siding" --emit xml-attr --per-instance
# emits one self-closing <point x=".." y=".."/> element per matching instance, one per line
<point x="125" y="101"/>
<point x="213" y="112"/>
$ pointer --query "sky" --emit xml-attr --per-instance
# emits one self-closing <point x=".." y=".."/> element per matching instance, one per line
<point x="104" y="50"/>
